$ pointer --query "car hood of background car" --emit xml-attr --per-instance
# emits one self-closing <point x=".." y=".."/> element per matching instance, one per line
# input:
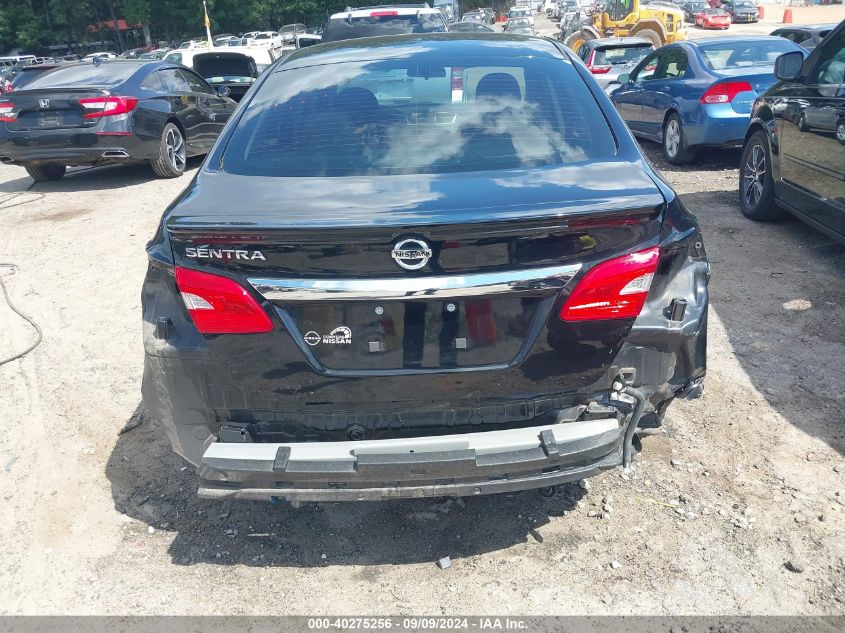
<point x="217" y="198"/>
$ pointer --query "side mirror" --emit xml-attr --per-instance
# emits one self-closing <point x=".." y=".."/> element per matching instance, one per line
<point x="623" y="78"/>
<point x="788" y="66"/>
<point x="223" y="91"/>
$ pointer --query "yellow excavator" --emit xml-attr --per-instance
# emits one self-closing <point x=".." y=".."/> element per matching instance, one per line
<point x="660" y="22"/>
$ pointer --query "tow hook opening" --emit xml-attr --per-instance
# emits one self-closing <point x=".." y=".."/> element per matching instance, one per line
<point x="622" y="385"/>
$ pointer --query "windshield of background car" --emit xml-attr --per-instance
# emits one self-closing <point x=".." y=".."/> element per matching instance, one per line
<point x="104" y="74"/>
<point x="418" y="116"/>
<point x="715" y="12"/>
<point x="741" y="54"/>
<point x="368" y="26"/>
<point x="518" y="13"/>
<point x="745" y="5"/>
<point x="626" y="55"/>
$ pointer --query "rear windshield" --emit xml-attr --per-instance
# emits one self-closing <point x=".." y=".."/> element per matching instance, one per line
<point x="25" y="77"/>
<point x="370" y="26"/>
<point x="741" y="54"/>
<point x="626" y="55"/>
<point x="418" y="116"/>
<point x="105" y="74"/>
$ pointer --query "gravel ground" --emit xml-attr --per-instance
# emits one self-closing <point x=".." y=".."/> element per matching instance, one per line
<point x="735" y="508"/>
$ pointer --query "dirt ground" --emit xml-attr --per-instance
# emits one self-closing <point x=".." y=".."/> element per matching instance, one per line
<point x="738" y="507"/>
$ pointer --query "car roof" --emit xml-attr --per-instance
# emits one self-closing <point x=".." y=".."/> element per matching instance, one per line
<point x="733" y="39"/>
<point x="112" y="62"/>
<point x="400" y="10"/>
<point x="807" y="27"/>
<point x="480" y="44"/>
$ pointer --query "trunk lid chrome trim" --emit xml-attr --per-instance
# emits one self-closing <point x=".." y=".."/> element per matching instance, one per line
<point x="453" y="286"/>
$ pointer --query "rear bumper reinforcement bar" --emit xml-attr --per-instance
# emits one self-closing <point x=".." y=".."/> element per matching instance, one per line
<point x="451" y="465"/>
<point x="530" y="280"/>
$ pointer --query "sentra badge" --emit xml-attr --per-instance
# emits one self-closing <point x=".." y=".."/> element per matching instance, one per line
<point x="222" y="253"/>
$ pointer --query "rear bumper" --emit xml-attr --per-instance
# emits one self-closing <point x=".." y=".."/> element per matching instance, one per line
<point x="718" y="125"/>
<point x="72" y="147"/>
<point x="455" y="465"/>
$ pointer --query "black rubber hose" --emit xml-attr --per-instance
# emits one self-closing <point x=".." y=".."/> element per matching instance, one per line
<point x="628" y="447"/>
<point x="26" y="318"/>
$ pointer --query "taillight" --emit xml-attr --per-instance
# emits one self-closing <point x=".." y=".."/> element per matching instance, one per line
<point x="96" y="107"/>
<point x="597" y="69"/>
<point x="7" y="112"/>
<point x="219" y="305"/>
<point x="615" y="289"/>
<point x="725" y="92"/>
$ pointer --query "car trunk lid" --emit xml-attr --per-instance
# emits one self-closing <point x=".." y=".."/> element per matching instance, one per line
<point x="48" y="109"/>
<point x="323" y="254"/>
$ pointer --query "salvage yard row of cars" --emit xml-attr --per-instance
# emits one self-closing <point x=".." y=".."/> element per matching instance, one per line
<point x="435" y="263"/>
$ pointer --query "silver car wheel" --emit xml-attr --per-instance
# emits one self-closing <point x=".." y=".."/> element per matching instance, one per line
<point x="754" y="176"/>
<point x="673" y="138"/>
<point x="175" y="149"/>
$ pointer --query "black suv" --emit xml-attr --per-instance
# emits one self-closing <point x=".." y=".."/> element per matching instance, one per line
<point x="807" y="36"/>
<point x="420" y="265"/>
<point x="794" y="154"/>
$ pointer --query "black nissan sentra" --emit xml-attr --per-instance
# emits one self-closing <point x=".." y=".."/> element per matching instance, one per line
<point x="420" y="265"/>
<point x="122" y="111"/>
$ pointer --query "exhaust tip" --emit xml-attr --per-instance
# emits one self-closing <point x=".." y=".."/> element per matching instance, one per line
<point x="115" y="153"/>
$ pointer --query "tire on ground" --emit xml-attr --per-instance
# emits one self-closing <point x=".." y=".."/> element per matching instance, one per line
<point x="683" y="155"/>
<point x="764" y="209"/>
<point x="44" y="173"/>
<point x="163" y="166"/>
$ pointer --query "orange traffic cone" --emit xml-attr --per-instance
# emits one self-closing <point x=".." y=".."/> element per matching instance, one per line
<point x="787" y="16"/>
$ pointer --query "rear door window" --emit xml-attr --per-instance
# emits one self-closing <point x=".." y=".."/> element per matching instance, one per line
<point x="152" y="82"/>
<point x="196" y="83"/>
<point x="416" y="117"/>
<point x="173" y="81"/>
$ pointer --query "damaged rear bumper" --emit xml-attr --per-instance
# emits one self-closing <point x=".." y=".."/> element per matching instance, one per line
<point x="453" y="465"/>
